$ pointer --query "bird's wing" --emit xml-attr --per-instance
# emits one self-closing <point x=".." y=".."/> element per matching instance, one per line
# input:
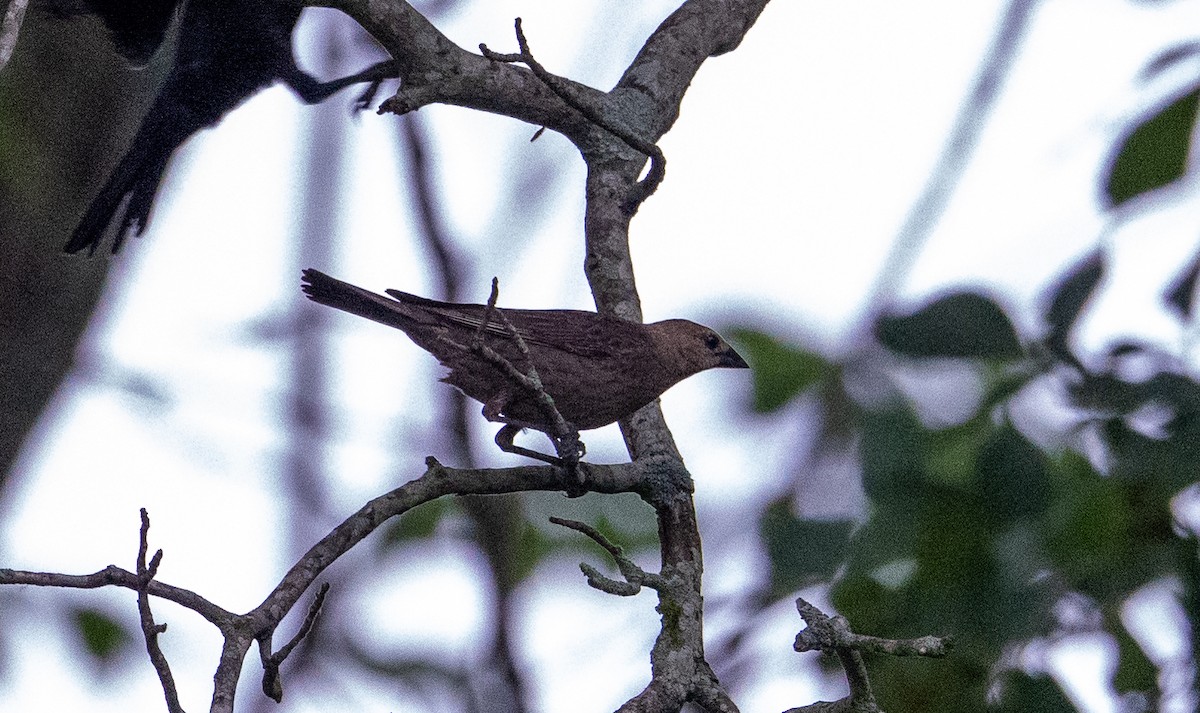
<point x="574" y="331"/>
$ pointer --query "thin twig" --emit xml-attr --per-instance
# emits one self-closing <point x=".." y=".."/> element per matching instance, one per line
<point x="641" y="190"/>
<point x="563" y="434"/>
<point x="826" y="633"/>
<point x="832" y="635"/>
<point x="272" y="684"/>
<point x="635" y="576"/>
<point x="150" y="630"/>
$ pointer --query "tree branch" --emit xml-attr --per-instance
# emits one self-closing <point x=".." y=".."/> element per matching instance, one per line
<point x="272" y="684"/>
<point x="114" y="576"/>
<point x="239" y="631"/>
<point x="832" y="635"/>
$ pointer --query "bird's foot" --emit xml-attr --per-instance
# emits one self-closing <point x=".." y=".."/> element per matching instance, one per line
<point x="569" y="449"/>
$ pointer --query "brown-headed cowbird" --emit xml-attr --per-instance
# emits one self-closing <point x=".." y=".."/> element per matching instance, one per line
<point x="228" y="51"/>
<point x="597" y="368"/>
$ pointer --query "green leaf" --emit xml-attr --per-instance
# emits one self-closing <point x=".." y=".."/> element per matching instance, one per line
<point x="1155" y="153"/>
<point x="1135" y="671"/>
<point x="960" y="325"/>
<point x="1002" y="384"/>
<point x="952" y="452"/>
<point x="1086" y="529"/>
<point x="102" y="636"/>
<point x="1068" y="300"/>
<point x="865" y="602"/>
<point x="1022" y="693"/>
<point x="780" y="371"/>
<point x="802" y="552"/>
<point x="893" y="449"/>
<point x="533" y="546"/>
<point x="1013" y="477"/>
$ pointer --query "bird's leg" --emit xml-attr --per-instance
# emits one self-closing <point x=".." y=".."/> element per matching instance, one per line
<point x="512" y="426"/>
<point x="504" y="439"/>
<point x="568" y="446"/>
<point x="313" y="91"/>
<point x="562" y="434"/>
<point x="568" y="461"/>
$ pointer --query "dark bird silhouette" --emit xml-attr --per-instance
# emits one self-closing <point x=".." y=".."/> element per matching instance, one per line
<point x="228" y="50"/>
<point x="137" y="27"/>
<point x="598" y="369"/>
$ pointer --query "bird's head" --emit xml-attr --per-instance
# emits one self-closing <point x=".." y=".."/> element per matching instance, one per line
<point x="687" y="348"/>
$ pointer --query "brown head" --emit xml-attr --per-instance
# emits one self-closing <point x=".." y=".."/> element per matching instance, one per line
<point x="687" y="348"/>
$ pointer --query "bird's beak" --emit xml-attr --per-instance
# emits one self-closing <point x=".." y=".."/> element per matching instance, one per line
<point x="733" y="360"/>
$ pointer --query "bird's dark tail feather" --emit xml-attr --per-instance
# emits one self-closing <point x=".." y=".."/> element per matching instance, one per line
<point x="326" y="290"/>
<point x="128" y="195"/>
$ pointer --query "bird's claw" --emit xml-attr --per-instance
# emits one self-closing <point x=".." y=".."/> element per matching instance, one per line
<point x="568" y="447"/>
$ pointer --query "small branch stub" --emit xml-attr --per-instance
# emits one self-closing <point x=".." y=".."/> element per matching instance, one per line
<point x="832" y="635"/>
<point x="825" y="633"/>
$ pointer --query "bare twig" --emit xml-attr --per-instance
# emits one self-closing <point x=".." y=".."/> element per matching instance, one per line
<point x="563" y="434"/>
<point x="826" y="633"/>
<point x="239" y="630"/>
<point x="150" y="630"/>
<point x="114" y="576"/>
<point x="635" y="576"/>
<point x="585" y="105"/>
<point x="272" y="683"/>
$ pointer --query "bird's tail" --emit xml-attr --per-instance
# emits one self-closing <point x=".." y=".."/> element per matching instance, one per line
<point x="128" y="195"/>
<point x="326" y="290"/>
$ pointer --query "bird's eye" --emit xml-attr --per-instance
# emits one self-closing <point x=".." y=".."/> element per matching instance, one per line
<point x="712" y="341"/>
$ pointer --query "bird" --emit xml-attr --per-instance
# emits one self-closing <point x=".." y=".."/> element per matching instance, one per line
<point x="136" y="27"/>
<point x="597" y="368"/>
<point x="228" y="50"/>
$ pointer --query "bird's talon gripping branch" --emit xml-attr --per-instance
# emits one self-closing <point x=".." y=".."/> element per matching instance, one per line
<point x="504" y="439"/>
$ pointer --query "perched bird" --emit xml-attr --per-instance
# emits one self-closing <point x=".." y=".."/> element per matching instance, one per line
<point x="136" y="27"/>
<point x="598" y="369"/>
<point x="228" y="50"/>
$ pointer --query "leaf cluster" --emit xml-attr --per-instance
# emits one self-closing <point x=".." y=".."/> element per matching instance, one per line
<point x="975" y="529"/>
